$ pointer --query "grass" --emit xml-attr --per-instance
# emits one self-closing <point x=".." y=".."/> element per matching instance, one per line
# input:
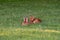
<point x="12" y="13"/>
<point x="28" y="34"/>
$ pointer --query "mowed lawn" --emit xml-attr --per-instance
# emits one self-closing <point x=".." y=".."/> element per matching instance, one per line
<point x="12" y="13"/>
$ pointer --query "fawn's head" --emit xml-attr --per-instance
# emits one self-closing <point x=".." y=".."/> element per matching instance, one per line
<point x="32" y="18"/>
<point x="25" y="19"/>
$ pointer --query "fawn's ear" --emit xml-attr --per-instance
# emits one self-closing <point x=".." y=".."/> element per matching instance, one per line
<point x="32" y="17"/>
<point x="25" y="19"/>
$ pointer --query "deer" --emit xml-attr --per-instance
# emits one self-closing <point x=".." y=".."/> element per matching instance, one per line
<point x="25" y="21"/>
<point x="34" y="20"/>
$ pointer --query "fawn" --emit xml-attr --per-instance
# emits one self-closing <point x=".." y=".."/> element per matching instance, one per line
<point x="34" y="20"/>
<point x="25" y="21"/>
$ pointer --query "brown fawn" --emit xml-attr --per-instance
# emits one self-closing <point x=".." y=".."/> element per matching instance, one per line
<point x="25" y="21"/>
<point x="34" y="20"/>
<point x="31" y="20"/>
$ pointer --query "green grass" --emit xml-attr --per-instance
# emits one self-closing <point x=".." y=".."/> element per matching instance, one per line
<point x="12" y="13"/>
<point x="28" y="34"/>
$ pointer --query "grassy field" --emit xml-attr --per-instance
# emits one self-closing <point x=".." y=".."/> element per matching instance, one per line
<point x="12" y="13"/>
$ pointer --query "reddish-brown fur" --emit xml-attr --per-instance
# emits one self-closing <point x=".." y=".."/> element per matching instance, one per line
<point x="31" y="20"/>
<point x="34" y="20"/>
<point x="25" y="21"/>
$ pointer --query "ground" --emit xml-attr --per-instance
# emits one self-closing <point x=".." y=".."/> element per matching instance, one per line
<point x="12" y="13"/>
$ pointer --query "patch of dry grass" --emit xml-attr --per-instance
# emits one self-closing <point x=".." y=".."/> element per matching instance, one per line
<point x="18" y="31"/>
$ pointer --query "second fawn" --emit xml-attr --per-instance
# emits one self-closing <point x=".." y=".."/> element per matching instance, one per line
<point x="34" y="20"/>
